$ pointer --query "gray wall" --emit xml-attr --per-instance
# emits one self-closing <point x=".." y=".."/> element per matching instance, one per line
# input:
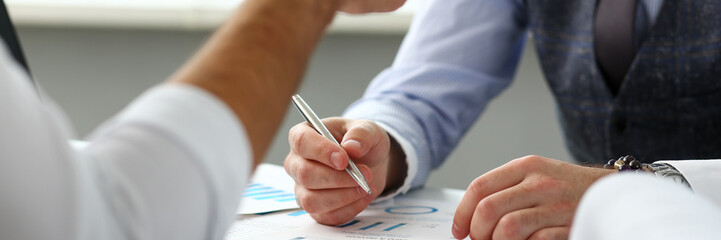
<point x="93" y="73"/>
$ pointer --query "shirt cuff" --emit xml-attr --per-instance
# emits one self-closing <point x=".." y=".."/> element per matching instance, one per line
<point x="203" y="125"/>
<point x="702" y="175"/>
<point x="411" y="163"/>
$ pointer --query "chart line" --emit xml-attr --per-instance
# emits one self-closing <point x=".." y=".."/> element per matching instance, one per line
<point x="286" y="199"/>
<point x="262" y="193"/>
<point x="298" y="213"/>
<point x="371" y="226"/>
<point x="394" y="227"/>
<point x="256" y="189"/>
<point x="274" y="196"/>
<point x="350" y="223"/>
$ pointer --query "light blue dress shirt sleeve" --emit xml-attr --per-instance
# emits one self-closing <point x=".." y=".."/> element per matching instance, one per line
<point x="456" y="57"/>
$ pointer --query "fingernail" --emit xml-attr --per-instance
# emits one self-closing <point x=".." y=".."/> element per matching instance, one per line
<point x="352" y="144"/>
<point x="336" y="160"/>
<point x="455" y="230"/>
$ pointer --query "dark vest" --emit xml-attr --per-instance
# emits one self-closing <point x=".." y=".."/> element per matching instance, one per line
<point x="669" y="105"/>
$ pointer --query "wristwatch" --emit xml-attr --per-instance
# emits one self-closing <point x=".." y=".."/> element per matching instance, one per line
<point x="666" y="171"/>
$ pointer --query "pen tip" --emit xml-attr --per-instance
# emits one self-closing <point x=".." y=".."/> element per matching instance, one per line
<point x="370" y="192"/>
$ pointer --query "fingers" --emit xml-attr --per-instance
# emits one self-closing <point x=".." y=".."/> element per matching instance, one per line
<point x="363" y="136"/>
<point x="309" y="144"/>
<point x="326" y="200"/>
<point x="343" y="214"/>
<point x="314" y="175"/>
<point x="496" y="180"/>
<point x="491" y="209"/>
<point x="323" y="187"/>
<point x="523" y="223"/>
<point x="552" y="233"/>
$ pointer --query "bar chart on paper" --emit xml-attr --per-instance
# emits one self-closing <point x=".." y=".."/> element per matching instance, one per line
<point x="270" y="189"/>
<point x="405" y="218"/>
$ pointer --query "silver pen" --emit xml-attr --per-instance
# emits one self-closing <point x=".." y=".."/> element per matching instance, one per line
<point x="314" y="121"/>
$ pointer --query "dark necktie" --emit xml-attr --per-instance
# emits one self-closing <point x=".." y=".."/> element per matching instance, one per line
<point x="613" y="39"/>
<point x="7" y="31"/>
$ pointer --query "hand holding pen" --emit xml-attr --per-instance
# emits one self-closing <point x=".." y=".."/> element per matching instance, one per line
<point x="323" y="186"/>
<point x="317" y="124"/>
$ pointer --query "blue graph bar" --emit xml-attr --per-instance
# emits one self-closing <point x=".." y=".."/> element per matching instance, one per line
<point x="274" y="196"/>
<point x="256" y="189"/>
<point x="350" y="223"/>
<point x="252" y="185"/>
<point x="286" y="199"/>
<point x="394" y="227"/>
<point x="298" y="213"/>
<point x="371" y="226"/>
<point x="298" y="238"/>
<point x="261" y="193"/>
<point x="264" y="213"/>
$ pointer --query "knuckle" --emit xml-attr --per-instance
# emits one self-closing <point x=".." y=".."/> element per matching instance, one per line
<point x="535" y="184"/>
<point x="485" y="209"/>
<point x="528" y="161"/>
<point x="476" y="186"/>
<point x="305" y="201"/>
<point x="303" y="175"/>
<point x="510" y="227"/>
<point x="544" y="184"/>
<point x="295" y="137"/>
<point x="287" y="164"/>
<point x="564" y="207"/>
<point x="545" y="235"/>
<point x="327" y="150"/>
<point x="366" y="129"/>
<point x="533" y="164"/>
<point x="367" y="126"/>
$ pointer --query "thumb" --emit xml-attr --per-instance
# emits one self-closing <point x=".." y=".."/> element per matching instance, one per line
<point x="361" y="138"/>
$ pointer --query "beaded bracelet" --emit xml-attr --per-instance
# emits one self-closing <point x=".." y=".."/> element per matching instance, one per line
<point x="663" y="170"/>
<point x="625" y="163"/>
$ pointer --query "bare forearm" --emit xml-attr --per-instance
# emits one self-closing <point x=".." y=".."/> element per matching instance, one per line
<point x="255" y="61"/>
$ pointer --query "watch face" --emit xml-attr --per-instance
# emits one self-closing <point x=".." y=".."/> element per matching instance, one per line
<point x="675" y="178"/>
<point x="668" y="172"/>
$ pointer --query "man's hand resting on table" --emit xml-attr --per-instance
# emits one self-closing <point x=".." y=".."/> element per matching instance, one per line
<point x="528" y="198"/>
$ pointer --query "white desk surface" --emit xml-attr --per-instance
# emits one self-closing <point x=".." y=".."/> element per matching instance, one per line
<point x="413" y="224"/>
<point x="437" y="194"/>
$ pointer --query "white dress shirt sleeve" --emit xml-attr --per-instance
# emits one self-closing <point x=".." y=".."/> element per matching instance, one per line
<point x="641" y="206"/>
<point x="179" y="157"/>
<point x="704" y="176"/>
<point x="170" y="166"/>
